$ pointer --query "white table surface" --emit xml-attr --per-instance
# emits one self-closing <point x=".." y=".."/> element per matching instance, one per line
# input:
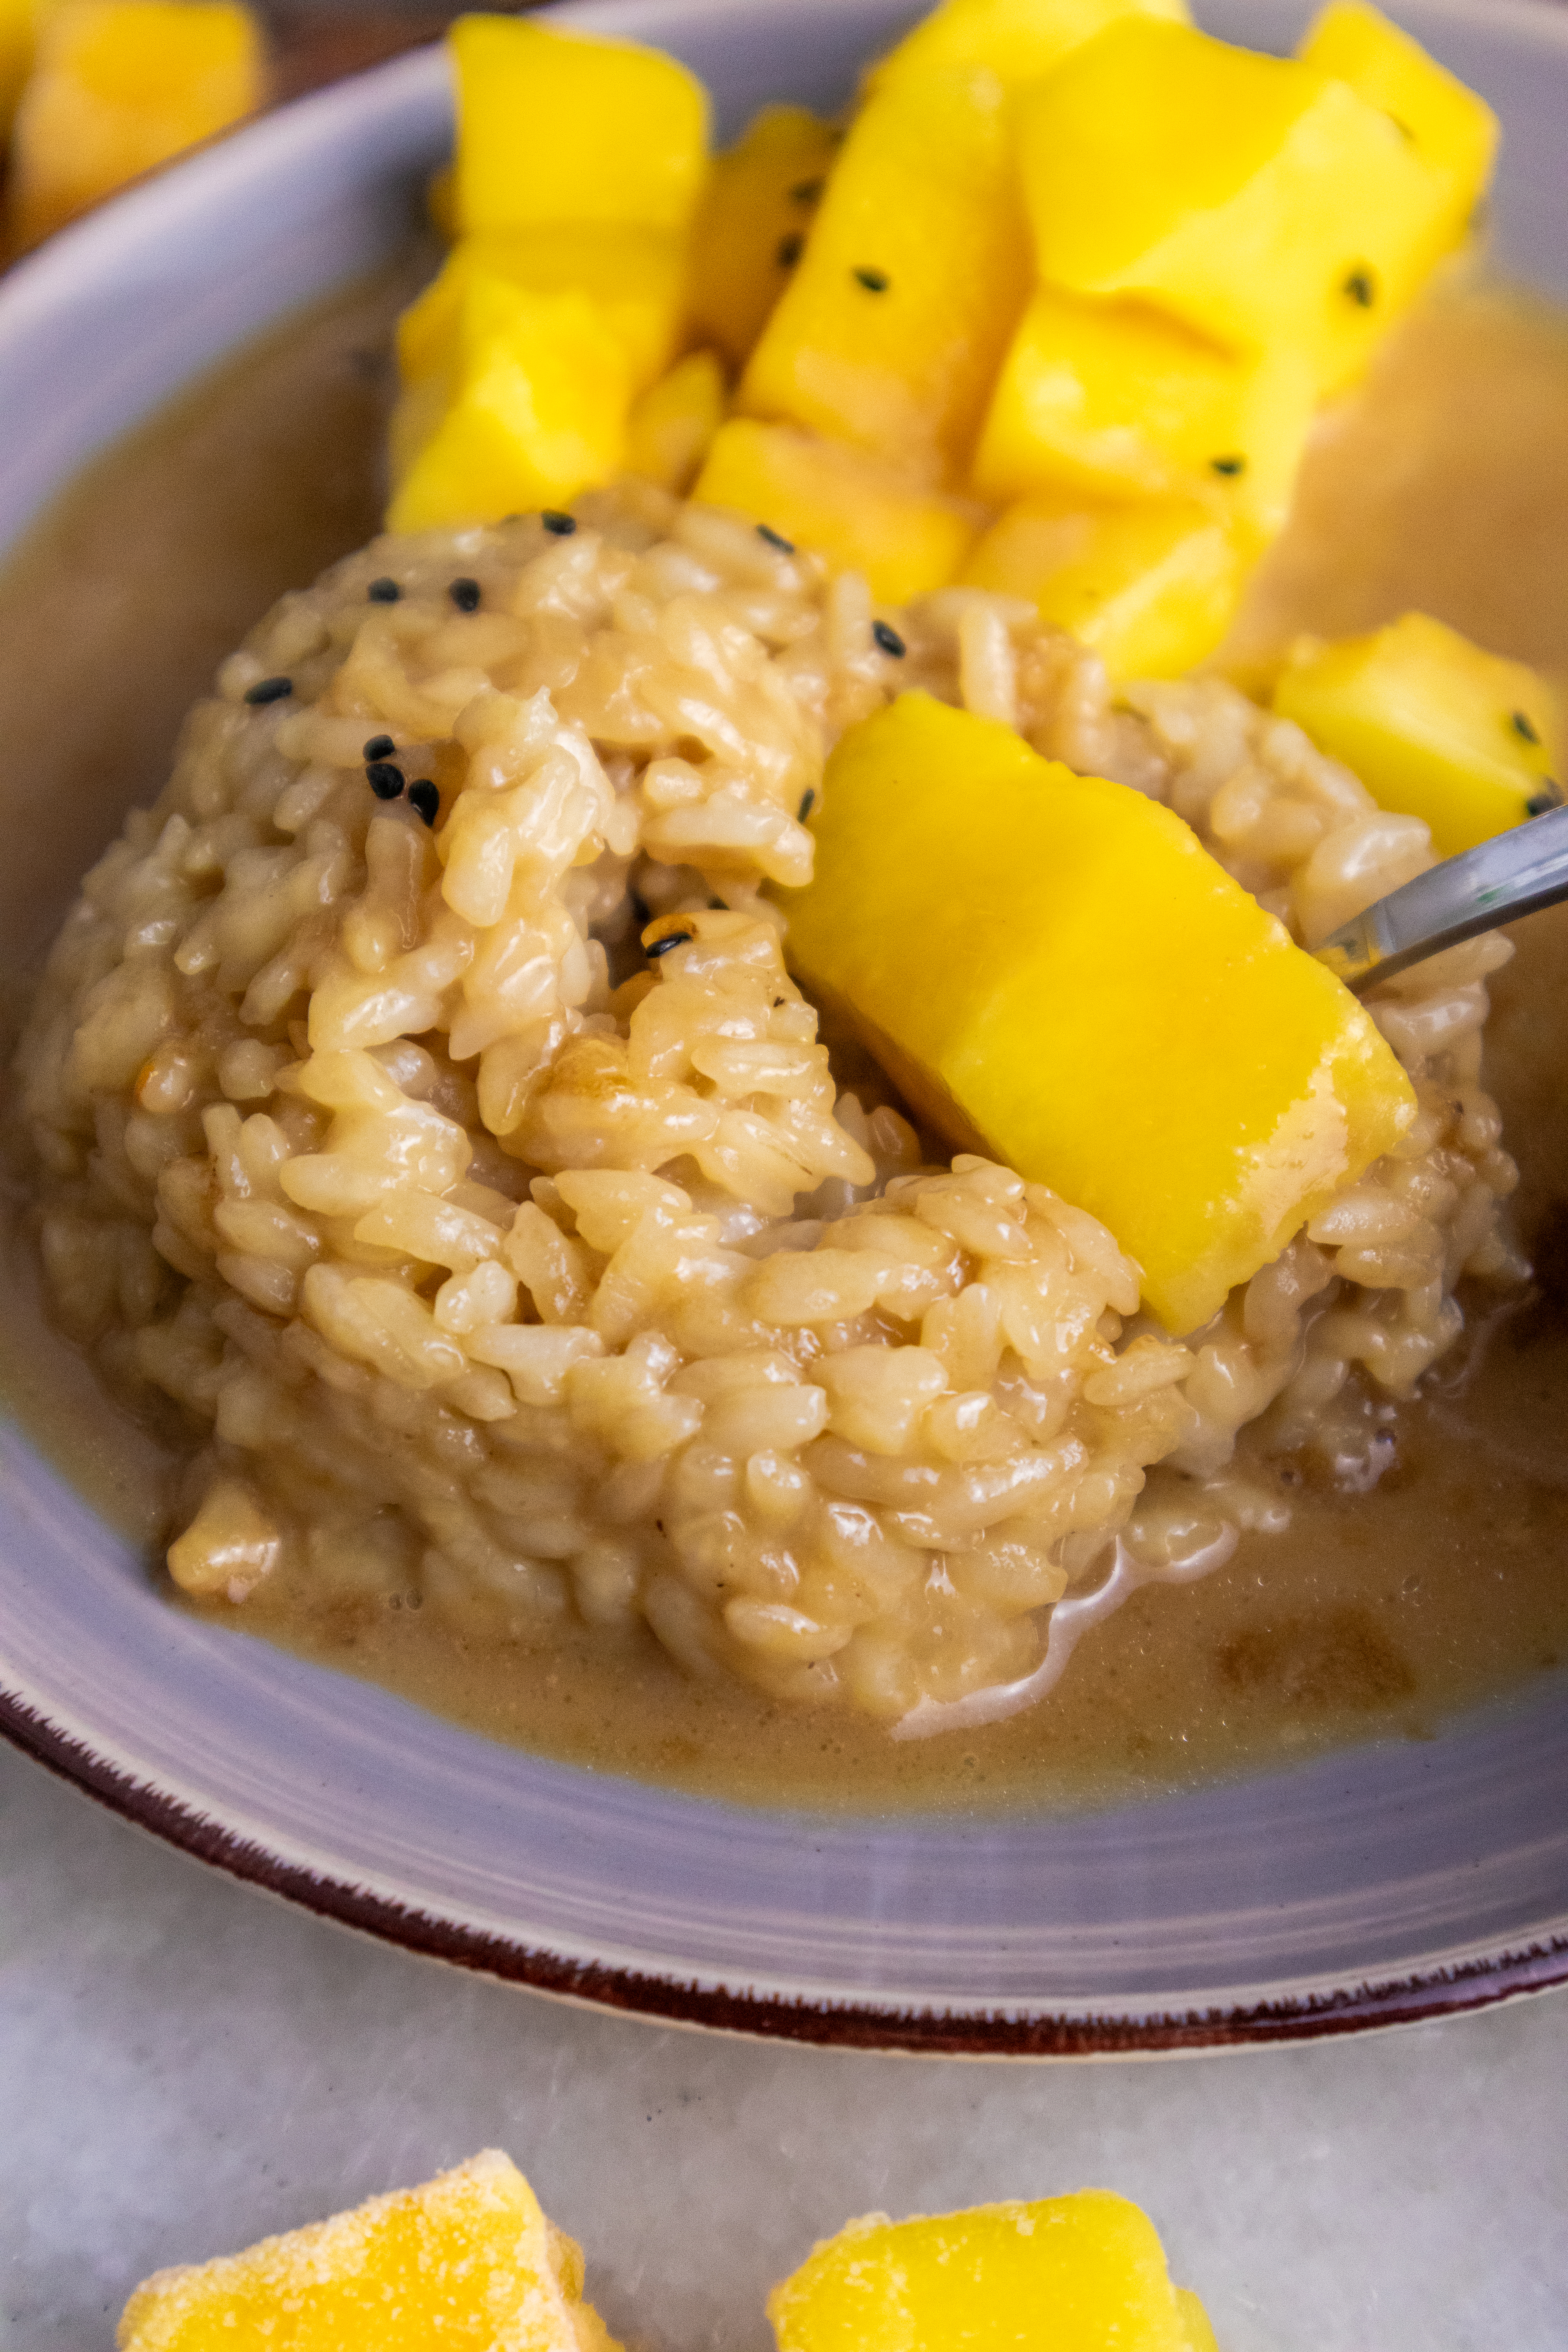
<point x="186" y="2064"/>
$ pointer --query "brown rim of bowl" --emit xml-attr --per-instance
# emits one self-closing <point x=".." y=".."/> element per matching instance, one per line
<point x="824" y="2024"/>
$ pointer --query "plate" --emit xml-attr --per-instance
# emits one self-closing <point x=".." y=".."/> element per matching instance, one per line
<point x="1378" y="1884"/>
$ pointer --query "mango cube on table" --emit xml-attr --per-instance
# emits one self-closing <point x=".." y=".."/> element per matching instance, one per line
<point x="469" y="2263"/>
<point x="820" y="495"/>
<point x="912" y="277"/>
<point x="1112" y="399"/>
<point x="1452" y="129"/>
<point x="672" y="428"/>
<point x="532" y="410"/>
<point x="1018" y="40"/>
<point x="1054" y="971"/>
<point x="1150" y="586"/>
<point x="1080" y="2273"/>
<point x="1434" y="726"/>
<point x="562" y="127"/>
<point x="1253" y="198"/>
<point x="119" y="87"/>
<point x="636" y="277"/>
<point x="750" y="230"/>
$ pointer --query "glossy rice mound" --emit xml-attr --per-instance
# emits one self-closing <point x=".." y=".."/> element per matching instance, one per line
<point x="504" y="1268"/>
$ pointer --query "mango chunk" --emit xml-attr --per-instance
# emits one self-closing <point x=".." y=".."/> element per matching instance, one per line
<point x="750" y="230"/>
<point x="861" y="517"/>
<point x="914" y="272"/>
<point x="1078" y="2273"/>
<point x="532" y="411"/>
<point x="468" y="2261"/>
<point x="1150" y="587"/>
<point x="1450" y="128"/>
<point x="119" y="87"/>
<point x="1252" y="198"/>
<point x="1112" y="399"/>
<point x="636" y="277"/>
<point x="672" y="426"/>
<point x="566" y="127"/>
<point x="1434" y="726"/>
<point x="1054" y="971"/>
<point x="1019" y="40"/>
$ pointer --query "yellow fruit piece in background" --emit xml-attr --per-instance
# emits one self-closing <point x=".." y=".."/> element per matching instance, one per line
<point x="468" y="2261"/>
<point x="1151" y="587"/>
<point x="635" y="277"/>
<point x="673" y="424"/>
<point x="119" y="87"/>
<point x="1250" y="196"/>
<point x="914" y="273"/>
<point x="1112" y="398"/>
<point x="532" y="411"/>
<point x="1434" y="726"/>
<point x="1079" y="2273"/>
<point x="1195" y="2320"/>
<point x="856" y="513"/>
<point x="1451" y="128"/>
<point x="20" y="24"/>
<point x="1053" y="969"/>
<point x="565" y="127"/>
<point x="761" y="199"/>
<point x="1018" y="39"/>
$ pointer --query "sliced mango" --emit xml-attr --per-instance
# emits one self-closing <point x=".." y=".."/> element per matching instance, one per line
<point x="1450" y="128"/>
<point x="119" y="87"/>
<point x="671" y="427"/>
<point x="913" y="275"/>
<point x="1250" y="196"/>
<point x="1434" y="726"/>
<point x="468" y="2261"/>
<point x="1113" y="399"/>
<point x="750" y="231"/>
<point x="1053" y="969"/>
<point x="1019" y="40"/>
<point x="635" y="277"/>
<point x="820" y="495"/>
<point x="565" y="127"/>
<point x="1078" y="2273"/>
<point x="532" y="411"/>
<point x="1152" y="587"/>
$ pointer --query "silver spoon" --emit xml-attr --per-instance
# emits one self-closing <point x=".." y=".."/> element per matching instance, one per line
<point x="1514" y="874"/>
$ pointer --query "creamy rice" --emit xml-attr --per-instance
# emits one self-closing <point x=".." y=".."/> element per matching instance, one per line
<point x="504" y="1268"/>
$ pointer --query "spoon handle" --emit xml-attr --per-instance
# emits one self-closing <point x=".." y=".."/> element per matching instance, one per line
<point x="1511" y="875"/>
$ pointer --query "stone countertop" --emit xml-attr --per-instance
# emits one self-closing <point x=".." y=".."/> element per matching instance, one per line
<point x="188" y="2064"/>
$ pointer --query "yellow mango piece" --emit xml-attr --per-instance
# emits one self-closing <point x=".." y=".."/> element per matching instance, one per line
<point x="915" y="271"/>
<point x="1151" y="587"/>
<point x="672" y="426"/>
<point x="1195" y="2319"/>
<point x="1079" y="2273"/>
<point x="119" y="87"/>
<point x="1112" y="398"/>
<point x="532" y="411"/>
<point x="750" y="230"/>
<point x="1450" y="128"/>
<point x="1434" y="726"/>
<point x="1054" y="972"/>
<point x="635" y="277"/>
<point x="858" y="514"/>
<point x="468" y="2261"/>
<point x="566" y="127"/>
<point x="1252" y="198"/>
<point x="1019" y="40"/>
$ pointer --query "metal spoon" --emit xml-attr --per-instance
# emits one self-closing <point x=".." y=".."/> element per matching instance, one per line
<point x="1514" y="874"/>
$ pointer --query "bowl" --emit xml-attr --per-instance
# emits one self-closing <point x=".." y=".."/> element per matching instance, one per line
<point x="1375" y="1884"/>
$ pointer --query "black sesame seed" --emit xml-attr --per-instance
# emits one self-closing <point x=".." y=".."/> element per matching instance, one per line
<point x="380" y="747"/>
<point x="805" y="192"/>
<point x="789" y="251"/>
<point x="384" y="780"/>
<point x="807" y="802"/>
<point x="1362" y="286"/>
<point x="889" y="640"/>
<point x="562" y="525"/>
<point x="1550" y="796"/>
<point x="466" y="595"/>
<point x="425" y="799"/>
<point x="384" y="591"/>
<point x="670" y="939"/>
<point x="775" y="538"/>
<point x="1228" y="465"/>
<point x="875" y="281"/>
<point x="1524" y="726"/>
<point x="271" y="690"/>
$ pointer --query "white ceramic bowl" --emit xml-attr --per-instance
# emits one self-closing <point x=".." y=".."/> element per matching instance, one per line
<point x="1380" y="1884"/>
